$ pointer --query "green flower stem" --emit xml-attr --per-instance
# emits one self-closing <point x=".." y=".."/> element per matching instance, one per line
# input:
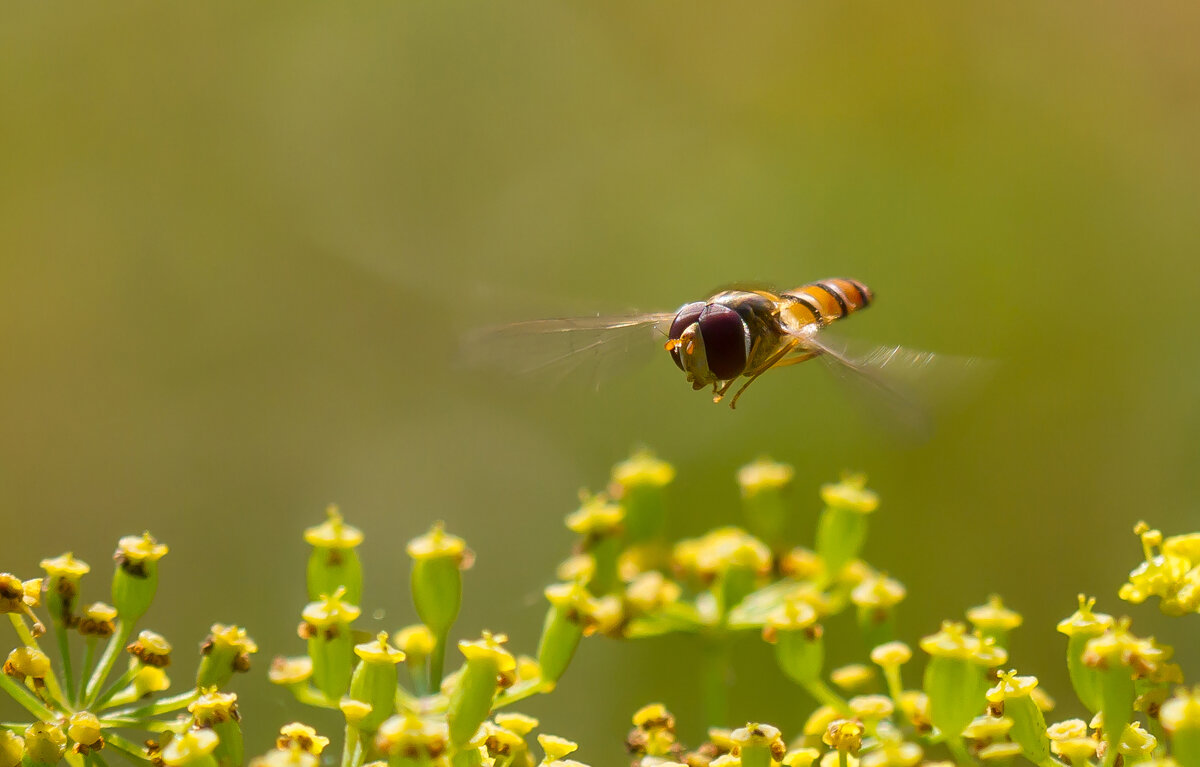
<point x="164" y="706"/>
<point x="28" y="701"/>
<point x="437" y="659"/>
<point x="64" y="652"/>
<point x="895" y="685"/>
<point x="351" y="747"/>
<point x="112" y="650"/>
<point x="519" y="692"/>
<point x="406" y="701"/>
<point x="715" y="679"/>
<point x="52" y="686"/>
<point x="959" y="750"/>
<point x="843" y="759"/>
<point x="126" y="747"/>
<point x="124" y="681"/>
<point x="89" y="663"/>
<point x="311" y="696"/>
<point x="74" y="759"/>
<point x="826" y="696"/>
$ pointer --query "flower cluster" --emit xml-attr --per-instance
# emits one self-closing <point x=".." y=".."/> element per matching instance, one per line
<point x="75" y="716"/>
<point x="626" y="581"/>
<point x="419" y="715"/>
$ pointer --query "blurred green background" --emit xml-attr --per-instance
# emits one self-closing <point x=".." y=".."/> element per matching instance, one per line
<point x="239" y="242"/>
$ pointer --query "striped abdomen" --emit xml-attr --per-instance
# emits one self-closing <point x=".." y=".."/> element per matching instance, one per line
<point x="832" y="299"/>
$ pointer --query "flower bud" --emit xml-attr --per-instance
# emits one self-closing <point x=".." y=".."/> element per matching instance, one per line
<point x="1180" y="717"/>
<point x="639" y="483"/>
<point x="226" y="649"/>
<point x="12" y="748"/>
<point x="334" y="561"/>
<point x="218" y="712"/>
<point x="63" y="574"/>
<point x="438" y="561"/>
<point x="28" y="663"/>
<point x="135" y="579"/>
<point x="83" y="727"/>
<point x="326" y="626"/>
<point x="763" y="485"/>
<point x="45" y="743"/>
<point x="471" y="699"/>
<point x="193" y="747"/>
<point x="1079" y="628"/>
<point x="1013" y="695"/>
<point x="842" y="527"/>
<point x="955" y="677"/>
<point x="994" y="620"/>
<point x="799" y="648"/>
<point x="374" y="680"/>
<point x="758" y="745"/>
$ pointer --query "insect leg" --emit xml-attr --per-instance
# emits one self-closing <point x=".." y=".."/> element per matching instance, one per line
<point x="771" y="362"/>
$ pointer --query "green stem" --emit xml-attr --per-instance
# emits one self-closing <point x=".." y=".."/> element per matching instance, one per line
<point x="109" y="659"/>
<point x="166" y="705"/>
<point x="350" y="746"/>
<point x="438" y="660"/>
<point x="715" y="680"/>
<point x="959" y="751"/>
<point x="89" y="662"/>
<point x="519" y="692"/>
<point x="127" y="747"/>
<point x="124" y="681"/>
<point x="826" y="696"/>
<point x="311" y="696"/>
<point x="28" y="701"/>
<point x="64" y="651"/>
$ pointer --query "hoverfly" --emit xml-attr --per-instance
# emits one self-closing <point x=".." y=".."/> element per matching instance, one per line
<point x="736" y="336"/>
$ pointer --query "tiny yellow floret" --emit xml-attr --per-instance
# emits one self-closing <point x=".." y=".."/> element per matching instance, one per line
<point x="764" y="474"/>
<point x="333" y="533"/>
<point x="850" y="494"/>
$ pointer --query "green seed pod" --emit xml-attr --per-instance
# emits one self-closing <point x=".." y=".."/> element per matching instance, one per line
<point x="763" y="484"/>
<point x="218" y="712"/>
<point x="561" y="633"/>
<point x="641" y="481"/>
<point x="956" y="677"/>
<point x="1079" y="628"/>
<point x="136" y="576"/>
<point x="471" y="699"/>
<point x="334" y="561"/>
<point x="375" y="679"/>
<point x="842" y="527"/>
<point x="326" y="626"/>
<point x="226" y="649"/>
<point x="438" y="561"/>
<point x="1107" y="655"/>
<point x="875" y="600"/>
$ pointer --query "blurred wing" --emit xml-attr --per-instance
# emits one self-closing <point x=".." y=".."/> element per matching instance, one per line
<point x="592" y="348"/>
<point x="904" y="388"/>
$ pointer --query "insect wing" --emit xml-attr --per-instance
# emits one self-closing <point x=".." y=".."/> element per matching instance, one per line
<point x="588" y="348"/>
<point x="905" y="388"/>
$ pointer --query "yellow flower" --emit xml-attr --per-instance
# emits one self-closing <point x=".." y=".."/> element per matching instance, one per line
<point x="854" y="676"/>
<point x="189" y="746"/>
<point x="555" y="747"/>
<point x="214" y="707"/>
<point x="998" y="751"/>
<point x="301" y="736"/>
<point x="333" y="533"/>
<point x="289" y="671"/>
<point x="850" y="494"/>
<point x="330" y="610"/>
<point x="1011" y="686"/>
<point x="379" y="651"/>
<point x="1181" y="712"/>
<point x="891" y="654"/>
<point x="844" y="735"/>
<point x="597" y="516"/>
<point x="878" y="592"/>
<point x="518" y="723"/>
<point x="764" y="474"/>
<point x="988" y="728"/>
<point x="1084" y="621"/>
<point x="994" y="616"/>
<point x="490" y="646"/>
<point x="416" y="640"/>
<point x="643" y="469"/>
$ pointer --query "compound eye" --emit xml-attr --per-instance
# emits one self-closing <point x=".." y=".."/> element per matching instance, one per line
<point x="685" y="317"/>
<point x="726" y="340"/>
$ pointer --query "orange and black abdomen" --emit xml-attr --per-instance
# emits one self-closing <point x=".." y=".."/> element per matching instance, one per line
<point x="832" y="299"/>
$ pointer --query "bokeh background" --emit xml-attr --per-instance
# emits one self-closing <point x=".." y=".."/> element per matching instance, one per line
<point x="239" y="243"/>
